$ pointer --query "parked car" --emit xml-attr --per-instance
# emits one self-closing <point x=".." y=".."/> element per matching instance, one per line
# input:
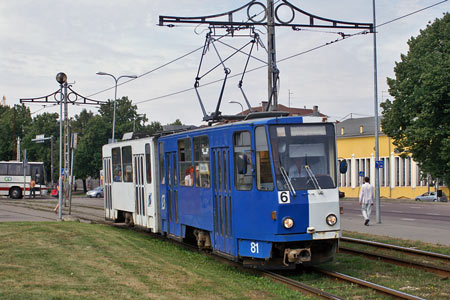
<point x="431" y="196"/>
<point x="95" y="193"/>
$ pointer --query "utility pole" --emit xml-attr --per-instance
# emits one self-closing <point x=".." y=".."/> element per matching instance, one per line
<point x="64" y="132"/>
<point x="272" y="57"/>
<point x="256" y="14"/>
<point x="377" y="123"/>
<point x="14" y="134"/>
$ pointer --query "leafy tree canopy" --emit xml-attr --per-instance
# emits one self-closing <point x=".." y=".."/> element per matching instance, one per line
<point x="14" y="122"/>
<point x="419" y="118"/>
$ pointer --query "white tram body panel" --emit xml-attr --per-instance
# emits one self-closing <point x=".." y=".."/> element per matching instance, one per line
<point x="131" y="182"/>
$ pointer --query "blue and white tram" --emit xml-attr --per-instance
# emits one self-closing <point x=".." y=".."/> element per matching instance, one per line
<point x="130" y="188"/>
<point x="260" y="191"/>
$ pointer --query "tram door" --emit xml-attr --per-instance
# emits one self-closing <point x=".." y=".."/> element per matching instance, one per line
<point x="223" y="232"/>
<point x="172" y="194"/>
<point x="139" y="190"/>
<point x="107" y="181"/>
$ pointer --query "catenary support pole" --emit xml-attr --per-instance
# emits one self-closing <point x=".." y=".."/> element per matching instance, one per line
<point x="377" y="123"/>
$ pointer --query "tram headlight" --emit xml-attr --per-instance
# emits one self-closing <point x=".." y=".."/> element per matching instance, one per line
<point x="288" y="223"/>
<point x="331" y="219"/>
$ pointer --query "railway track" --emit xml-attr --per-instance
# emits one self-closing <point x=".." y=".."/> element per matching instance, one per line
<point x="289" y="282"/>
<point x="379" y="288"/>
<point x="292" y="283"/>
<point x="442" y="271"/>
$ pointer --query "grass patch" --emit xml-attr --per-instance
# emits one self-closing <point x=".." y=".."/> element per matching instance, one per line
<point x="70" y="260"/>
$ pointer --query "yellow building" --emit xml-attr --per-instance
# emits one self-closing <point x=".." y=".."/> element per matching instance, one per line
<point x="399" y="178"/>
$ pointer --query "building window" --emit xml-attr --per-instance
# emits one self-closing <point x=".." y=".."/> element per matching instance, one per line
<point x="407" y="168"/>
<point x="185" y="167"/>
<point x="397" y="172"/>
<point x="342" y="130"/>
<point x="201" y="161"/>
<point x="361" y="129"/>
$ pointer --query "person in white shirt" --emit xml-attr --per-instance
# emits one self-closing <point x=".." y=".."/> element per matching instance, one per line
<point x="366" y="200"/>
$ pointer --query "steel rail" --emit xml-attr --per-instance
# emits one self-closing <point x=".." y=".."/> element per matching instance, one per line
<point x="394" y="247"/>
<point x="442" y="271"/>
<point x="377" y="287"/>
<point x="300" y="286"/>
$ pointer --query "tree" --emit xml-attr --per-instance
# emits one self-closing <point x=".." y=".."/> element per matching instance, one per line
<point x="80" y="122"/>
<point x="48" y="125"/>
<point x="16" y="119"/>
<point x="88" y="155"/>
<point x="126" y="115"/>
<point x="419" y="118"/>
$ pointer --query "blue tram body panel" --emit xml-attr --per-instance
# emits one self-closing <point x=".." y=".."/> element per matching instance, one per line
<point x="243" y="223"/>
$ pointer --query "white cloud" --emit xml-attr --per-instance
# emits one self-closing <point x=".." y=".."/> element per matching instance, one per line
<point x="121" y="37"/>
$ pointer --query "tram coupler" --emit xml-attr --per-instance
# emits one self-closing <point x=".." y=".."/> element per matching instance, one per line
<point x="297" y="256"/>
<point x="203" y="239"/>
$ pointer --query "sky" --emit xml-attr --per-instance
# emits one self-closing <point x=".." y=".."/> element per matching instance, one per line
<point x="39" y="39"/>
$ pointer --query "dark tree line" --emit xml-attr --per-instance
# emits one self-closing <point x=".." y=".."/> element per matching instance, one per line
<point x="93" y="130"/>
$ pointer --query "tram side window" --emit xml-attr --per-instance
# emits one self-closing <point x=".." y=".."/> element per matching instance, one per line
<point x="127" y="163"/>
<point x="117" y="164"/>
<point x="201" y="162"/>
<point x="243" y="161"/>
<point x="162" y="171"/>
<point x="185" y="168"/>
<point x="148" y="163"/>
<point x="264" y="178"/>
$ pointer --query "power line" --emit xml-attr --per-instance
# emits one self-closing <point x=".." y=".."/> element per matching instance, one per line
<point x="292" y="56"/>
<point x="412" y="13"/>
<point x="153" y="70"/>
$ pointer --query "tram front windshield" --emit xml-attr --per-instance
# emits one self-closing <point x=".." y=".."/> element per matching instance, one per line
<point x="304" y="156"/>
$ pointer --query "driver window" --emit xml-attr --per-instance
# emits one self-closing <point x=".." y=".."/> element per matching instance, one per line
<point x="243" y="160"/>
<point x="264" y="179"/>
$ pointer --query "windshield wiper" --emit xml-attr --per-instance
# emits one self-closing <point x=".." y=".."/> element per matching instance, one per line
<point x="313" y="179"/>
<point x="287" y="181"/>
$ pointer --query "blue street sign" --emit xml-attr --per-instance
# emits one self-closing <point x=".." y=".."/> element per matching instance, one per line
<point x="361" y="173"/>
<point x="379" y="164"/>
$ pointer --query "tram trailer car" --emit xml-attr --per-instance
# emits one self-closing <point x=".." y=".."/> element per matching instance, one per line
<point x="262" y="192"/>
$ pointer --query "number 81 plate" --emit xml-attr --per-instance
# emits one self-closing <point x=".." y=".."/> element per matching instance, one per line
<point x="257" y="249"/>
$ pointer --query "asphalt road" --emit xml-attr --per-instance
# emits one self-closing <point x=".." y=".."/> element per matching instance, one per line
<point x="406" y="219"/>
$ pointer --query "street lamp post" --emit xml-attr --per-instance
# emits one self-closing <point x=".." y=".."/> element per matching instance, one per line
<point x="242" y="107"/>
<point x="61" y="78"/>
<point x="116" y="80"/>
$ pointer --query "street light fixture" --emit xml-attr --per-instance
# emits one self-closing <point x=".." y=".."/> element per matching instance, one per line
<point x="61" y="78"/>
<point x="242" y="107"/>
<point x="116" y="80"/>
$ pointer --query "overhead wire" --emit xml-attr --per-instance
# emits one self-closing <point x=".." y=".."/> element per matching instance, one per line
<point x="343" y="37"/>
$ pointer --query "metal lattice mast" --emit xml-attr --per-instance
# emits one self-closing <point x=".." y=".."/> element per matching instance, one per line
<point x="61" y="98"/>
<point x="66" y="147"/>
<point x="272" y="57"/>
